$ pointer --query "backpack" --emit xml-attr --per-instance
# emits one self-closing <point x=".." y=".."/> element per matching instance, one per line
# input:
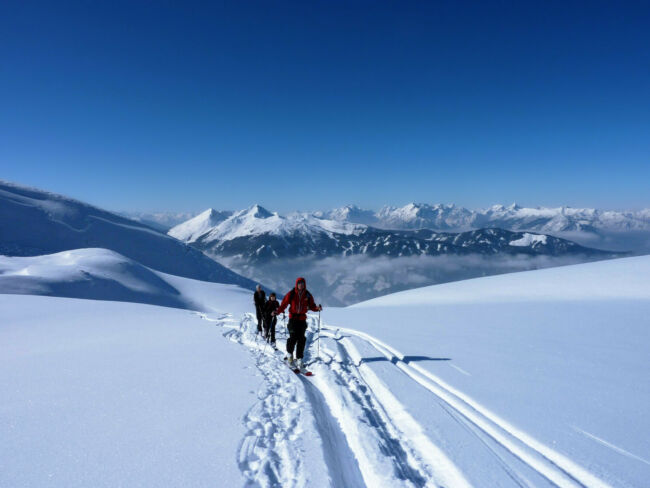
<point x="292" y="294"/>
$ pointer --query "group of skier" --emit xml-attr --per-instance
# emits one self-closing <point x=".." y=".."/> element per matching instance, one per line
<point x="299" y="301"/>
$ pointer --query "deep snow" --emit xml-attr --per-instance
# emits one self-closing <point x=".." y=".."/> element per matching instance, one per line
<point x="117" y="394"/>
<point x="123" y="394"/>
<point x="529" y="379"/>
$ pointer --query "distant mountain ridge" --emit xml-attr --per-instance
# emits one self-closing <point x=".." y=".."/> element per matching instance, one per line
<point x="589" y="226"/>
<point x="256" y="221"/>
<point x="347" y="262"/>
<point x="511" y="217"/>
<point x="260" y="235"/>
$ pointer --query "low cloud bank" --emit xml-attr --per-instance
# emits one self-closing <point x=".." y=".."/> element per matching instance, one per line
<point x="344" y="280"/>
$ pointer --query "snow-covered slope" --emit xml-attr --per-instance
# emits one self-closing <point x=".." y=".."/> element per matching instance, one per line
<point x="107" y="394"/>
<point x="528" y="379"/>
<point x="195" y="227"/>
<point x="35" y="222"/>
<point x="541" y="376"/>
<point x="101" y="274"/>
<point x="625" y="278"/>
<point x="162" y="221"/>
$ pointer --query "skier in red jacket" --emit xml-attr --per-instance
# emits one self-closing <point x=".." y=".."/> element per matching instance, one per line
<point x="300" y="301"/>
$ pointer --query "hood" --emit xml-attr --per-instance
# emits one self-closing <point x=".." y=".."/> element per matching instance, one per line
<point x="298" y="280"/>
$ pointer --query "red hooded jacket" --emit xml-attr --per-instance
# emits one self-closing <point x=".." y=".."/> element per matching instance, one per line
<point x="301" y="302"/>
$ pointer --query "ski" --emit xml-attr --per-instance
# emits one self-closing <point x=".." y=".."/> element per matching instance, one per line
<point x="304" y="373"/>
<point x="297" y="370"/>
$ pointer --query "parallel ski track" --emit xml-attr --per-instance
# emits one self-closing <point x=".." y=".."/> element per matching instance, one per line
<point x="555" y="467"/>
<point x="390" y="445"/>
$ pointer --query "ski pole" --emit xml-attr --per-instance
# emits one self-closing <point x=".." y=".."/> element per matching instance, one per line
<point x="319" y="335"/>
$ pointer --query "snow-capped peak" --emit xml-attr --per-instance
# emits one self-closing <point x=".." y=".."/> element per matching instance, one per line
<point x="349" y="213"/>
<point x="258" y="212"/>
<point x="194" y="228"/>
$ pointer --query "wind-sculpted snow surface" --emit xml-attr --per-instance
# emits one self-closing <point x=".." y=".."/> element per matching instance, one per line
<point x="34" y="222"/>
<point x="101" y="274"/>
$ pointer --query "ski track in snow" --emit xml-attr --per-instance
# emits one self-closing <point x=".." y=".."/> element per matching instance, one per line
<point x="555" y="467"/>
<point x="611" y="446"/>
<point x="390" y="445"/>
<point x="368" y="437"/>
<point x="459" y="369"/>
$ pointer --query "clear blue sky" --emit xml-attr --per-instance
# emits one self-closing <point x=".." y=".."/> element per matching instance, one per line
<point x="308" y="105"/>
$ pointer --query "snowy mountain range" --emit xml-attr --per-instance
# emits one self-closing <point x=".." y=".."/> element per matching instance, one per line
<point x="216" y="227"/>
<point x="583" y="223"/>
<point x="512" y="217"/>
<point x="261" y="236"/>
<point x="272" y="248"/>
<point x="34" y="222"/>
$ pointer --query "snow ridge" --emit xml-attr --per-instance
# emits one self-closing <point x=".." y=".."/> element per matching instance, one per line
<point x="35" y="222"/>
<point x="192" y="229"/>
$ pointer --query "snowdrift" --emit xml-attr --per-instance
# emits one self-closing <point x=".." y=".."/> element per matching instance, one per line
<point x="101" y="274"/>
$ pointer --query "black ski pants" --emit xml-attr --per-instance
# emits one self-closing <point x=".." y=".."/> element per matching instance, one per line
<point x="296" y="338"/>
<point x="269" y="328"/>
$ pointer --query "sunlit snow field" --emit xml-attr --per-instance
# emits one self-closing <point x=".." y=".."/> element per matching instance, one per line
<point x="529" y="379"/>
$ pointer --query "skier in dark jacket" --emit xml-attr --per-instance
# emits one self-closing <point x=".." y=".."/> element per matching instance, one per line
<point x="270" y="319"/>
<point x="259" y="297"/>
<point x="300" y="301"/>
